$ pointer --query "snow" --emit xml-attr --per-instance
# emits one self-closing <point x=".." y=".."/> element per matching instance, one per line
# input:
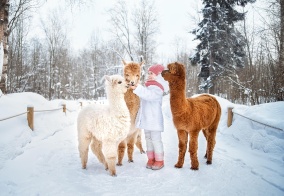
<point x="248" y="158"/>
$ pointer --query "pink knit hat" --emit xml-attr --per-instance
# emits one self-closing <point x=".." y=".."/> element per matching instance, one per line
<point x="156" y="69"/>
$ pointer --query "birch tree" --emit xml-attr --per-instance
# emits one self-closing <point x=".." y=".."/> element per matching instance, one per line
<point x="120" y="21"/>
<point x="4" y="12"/>
<point x="10" y="13"/>
<point x="55" y="33"/>
<point x="280" y="75"/>
<point x="145" y="21"/>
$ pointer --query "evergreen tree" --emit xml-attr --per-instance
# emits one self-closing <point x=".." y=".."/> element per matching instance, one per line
<point x="221" y="49"/>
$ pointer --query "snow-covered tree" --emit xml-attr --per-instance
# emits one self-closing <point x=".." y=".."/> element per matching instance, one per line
<point x="280" y="94"/>
<point x="221" y="49"/>
<point x="146" y="24"/>
<point x="3" y="42"/>
<point x="119" y="20"/>
<point x="11" y="14"/>
<point x="135" y="29"/>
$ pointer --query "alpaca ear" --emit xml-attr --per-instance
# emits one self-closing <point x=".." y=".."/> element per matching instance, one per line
<point x="177" y="66"/>
<point x="141" y="63"/>
<point x="180" y="68"/>
<point x="108" y="78"/>
<point x="124" y="63"/>
<point x="173" y="68"/>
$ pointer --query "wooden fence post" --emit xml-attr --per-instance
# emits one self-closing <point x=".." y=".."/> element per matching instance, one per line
<point x="30" y="117"/>
<point x="64" y="108"/>
<point x="230" y="116"/>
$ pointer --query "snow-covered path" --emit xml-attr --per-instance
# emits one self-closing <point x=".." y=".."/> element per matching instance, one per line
<point x="50" y="165"/>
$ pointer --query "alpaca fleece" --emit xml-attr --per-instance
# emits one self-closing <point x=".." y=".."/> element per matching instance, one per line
<point x="104" y="126"/>
<point x="190" y="115"/>
<point x="131" y="73"/>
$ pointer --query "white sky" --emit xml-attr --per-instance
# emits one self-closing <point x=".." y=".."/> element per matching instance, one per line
<point x="174" y="17"/>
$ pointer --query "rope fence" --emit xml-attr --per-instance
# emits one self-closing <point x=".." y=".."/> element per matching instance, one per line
<point x="12" y="116"/>
<point x="231" y="114"/>
<point x="48" y="110"/>
<point x="30" y="113"/>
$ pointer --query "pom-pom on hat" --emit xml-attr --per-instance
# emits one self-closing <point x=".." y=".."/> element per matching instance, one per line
<point x="156" y="69"/>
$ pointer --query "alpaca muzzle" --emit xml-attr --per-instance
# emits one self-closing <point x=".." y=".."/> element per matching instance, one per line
<point x="132" y="83"/>
<point x="164" y="72"/>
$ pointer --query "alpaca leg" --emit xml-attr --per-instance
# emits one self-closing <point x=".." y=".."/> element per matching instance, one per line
<point x="206" y="137"/>
<point x="121" y="151"/>
<point x="83" y="147"/>
<point x="193" y="146"/>
<point x="109" y="149"/>
<point x="139" y="143"/>
<point x="96" y="147"/>
<point x="211" y="144"/>
<point x="111" y="165"/>
<point x="130" y="146"/>
<point x="183" y="138"/>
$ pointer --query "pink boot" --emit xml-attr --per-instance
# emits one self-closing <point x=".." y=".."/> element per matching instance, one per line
<point x="158" y="165"/>
<point x="150" y="163"/>
<point x="159" y="161"/>
<point x="151" y="159"/>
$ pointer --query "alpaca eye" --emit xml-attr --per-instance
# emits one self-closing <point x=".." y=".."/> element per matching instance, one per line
<point x="119" y="82"/>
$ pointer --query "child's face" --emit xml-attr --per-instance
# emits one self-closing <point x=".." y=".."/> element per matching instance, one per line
<point x="151" y="76"/>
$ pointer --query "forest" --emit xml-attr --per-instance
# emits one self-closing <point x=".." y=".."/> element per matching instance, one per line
<point x="237" y="58"/>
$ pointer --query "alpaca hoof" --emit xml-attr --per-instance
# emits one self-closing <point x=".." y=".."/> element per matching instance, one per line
<point x="178" y="165"/>
<point x="113" y="175"/>
<point x="208" y="162"/>
<point x="194" y="168"/>
<point x="119" y="164"/>
<point x="130" y="161"/>
<point x="142" y="151"/>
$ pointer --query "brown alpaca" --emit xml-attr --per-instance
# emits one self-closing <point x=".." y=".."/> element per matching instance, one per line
<point x="131" y="72"/>
<point x="190" y="115"/>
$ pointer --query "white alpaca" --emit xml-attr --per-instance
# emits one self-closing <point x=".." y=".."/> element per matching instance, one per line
<point x="105" y="125"/>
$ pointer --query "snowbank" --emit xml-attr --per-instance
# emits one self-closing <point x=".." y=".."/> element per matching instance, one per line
<point x="248" y="157"/>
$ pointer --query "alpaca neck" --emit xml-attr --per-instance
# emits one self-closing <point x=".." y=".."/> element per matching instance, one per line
<point x="178" y="96"/>
<point x="117" y="104"/>
<point x="130" y="96"/>
<point x="132" y="102"/>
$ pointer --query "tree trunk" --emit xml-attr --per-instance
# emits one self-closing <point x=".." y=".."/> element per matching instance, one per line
<point x="280" y="72"/>
<point x="214" y="18"/>
<point x="4" y="10"/>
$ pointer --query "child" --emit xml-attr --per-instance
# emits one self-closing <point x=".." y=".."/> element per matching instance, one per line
<point x="150" y="117"/>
